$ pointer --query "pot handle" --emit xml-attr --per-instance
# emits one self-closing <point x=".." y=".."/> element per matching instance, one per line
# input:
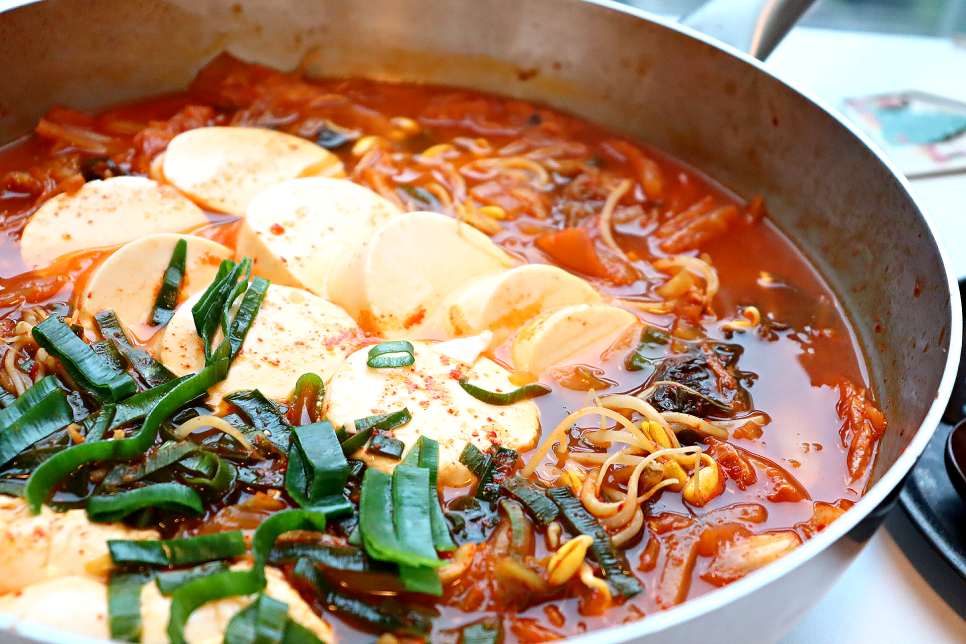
<point x="753" y="26"/>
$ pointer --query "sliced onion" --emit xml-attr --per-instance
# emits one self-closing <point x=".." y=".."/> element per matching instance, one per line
<point x="215" y="422"/>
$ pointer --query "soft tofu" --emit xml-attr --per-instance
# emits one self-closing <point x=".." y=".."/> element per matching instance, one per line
<point x="76" y="604"/>
<point x="295" y="230"/>
<point x="399" y="278"/>
<point x="223" y="168"/>
<point x="295" y="332"/>
<point x="103" y="214"/>
<point x="440" y="408"/>
<point x="128" y="281"/>
<point x="79" y="605"/>
<point x="504" y="302"/>
<point x="551" y="338"/>
<point x="51" y="544"/>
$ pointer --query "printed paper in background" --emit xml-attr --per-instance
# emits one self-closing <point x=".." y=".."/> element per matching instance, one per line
<point x="922" y="133"/>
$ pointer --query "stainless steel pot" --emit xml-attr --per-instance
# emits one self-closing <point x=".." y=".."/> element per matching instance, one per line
<point x="843" y="203"/>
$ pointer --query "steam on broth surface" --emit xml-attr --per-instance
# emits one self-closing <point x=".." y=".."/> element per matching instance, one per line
<point x="577" y="382"/>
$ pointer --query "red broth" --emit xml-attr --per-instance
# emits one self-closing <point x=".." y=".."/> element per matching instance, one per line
<point x="802" y="365"/>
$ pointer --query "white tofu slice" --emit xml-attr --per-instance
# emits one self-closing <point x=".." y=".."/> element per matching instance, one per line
<point x="551" y="338"/>
<point x="103" y="214"/>
<point x="223" y="168"/>
<point x="208" y="623"/>
<point x="75" y="604"/>
<point x="51" y="544"/>
<point x="295" y="230"/>
<point x="399" y="278"/>
<point x="440" y="408"/>
<point x="504" y="302"/>
<point x="295" y="332"/>
<point x="78" y="605"/>
<point x="128" y="281"/>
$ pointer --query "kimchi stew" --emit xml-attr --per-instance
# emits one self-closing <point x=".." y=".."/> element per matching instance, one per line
<point x="299" y="360"/>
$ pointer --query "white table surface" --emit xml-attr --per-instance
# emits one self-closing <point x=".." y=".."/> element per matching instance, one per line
<point x="899" y="590"/>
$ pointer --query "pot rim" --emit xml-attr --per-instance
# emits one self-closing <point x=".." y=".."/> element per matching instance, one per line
<point x="890" y="481"/>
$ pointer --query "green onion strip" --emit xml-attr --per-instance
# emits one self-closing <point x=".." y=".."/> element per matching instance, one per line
<point x="43" y="419"/>
<point x="198" y="592"/>
<point x="49" y="473"/>
<point x="171" y="283"/>
<point x="388" y="355"/>
<point x="494" y="398"/>
<point x="88" y="369"/>
<point x="317" y="470"/>
<point x="168" y="496"/>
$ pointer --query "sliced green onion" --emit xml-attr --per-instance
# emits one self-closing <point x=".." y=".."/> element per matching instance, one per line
<point x="217" y="475"/>
<point x="47" y="475"/>
<point x="171" y="580"/>
<point x="612" y="561"/>
<point x="382" y="618"/>
<point x="499" y="467"/>
<point x="317" y="470"/>
<point x="107" y="350"/>
<point x="166" y="496"/>
<point x="97" y="424"/>
<point x="388" y="446"/>
<point x="87" y="368"/>
<point x="213" y="308"/>
<point x="178" y="552"/>
<point x="28" y="460"/>
<point x="264" y="416"/>
<point x="243" y="320"/>
<point x="171" y="283"/>
<point x="366" y="427"/>
<point x="236" y="292"/>
<point x="41" y="420"/>
<point x="488" y="630"/>
<point x="342" y="559"/>
<point x="533" y="498"/>
<point x="425" y="454"/>
<point x="429" y="459"/>
<point x="153" y="372"/>
<point x="309" y="391"/>
<point x="494" y="398"/>
<point x="413" y="525"/>
<point x="295" y="633"/>
<point x="376" y="512"/>
<point x="164" y="456"/>
<point x="262" y="622"/>
<point x="389" y="355"/>
<point x="140" y="405"/>
<point x="196" y="593"/>
<point x="13" y="487"/>
<point x="384" y="422"/>
<point x="355" y="442"/>
<point x="473" y="459"/>
<point x="420" y="579"/>
<point x="27" y="400"/>
<point x="207" y="311"/>
<point x="124" y="605"/>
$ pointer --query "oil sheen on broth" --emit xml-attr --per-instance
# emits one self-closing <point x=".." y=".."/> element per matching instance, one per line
<point x="768" y="358"/>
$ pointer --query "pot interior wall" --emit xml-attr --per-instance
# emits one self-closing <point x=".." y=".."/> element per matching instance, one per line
<point x="825" y="189"/>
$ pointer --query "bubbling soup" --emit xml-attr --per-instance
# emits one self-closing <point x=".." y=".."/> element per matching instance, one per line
<point x="345" y="360"/>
